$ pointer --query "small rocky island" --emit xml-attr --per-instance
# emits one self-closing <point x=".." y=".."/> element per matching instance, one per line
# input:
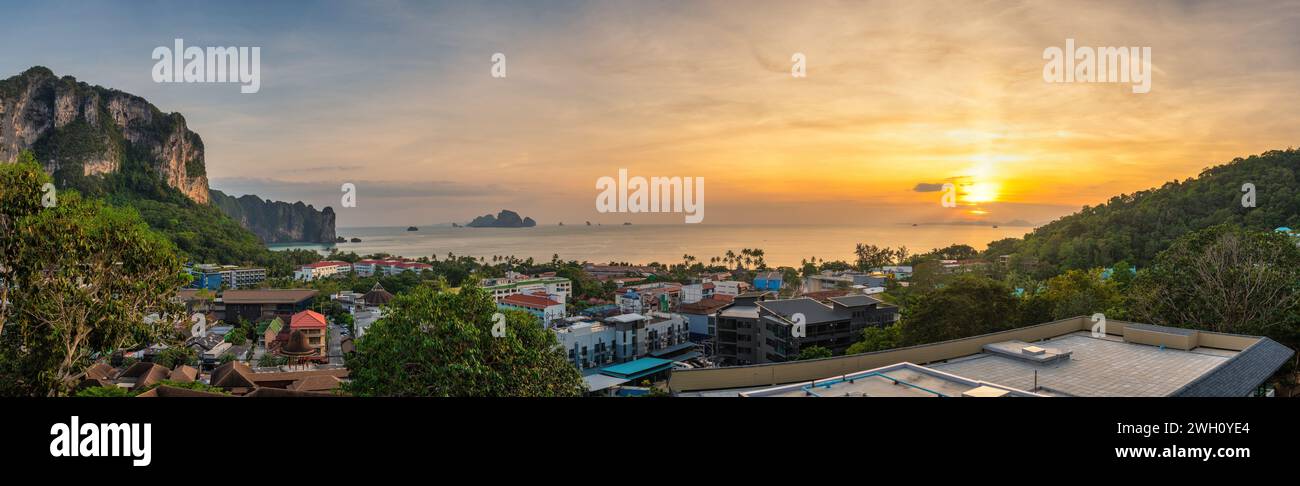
<point x="412" y="228"/>
<point x="505" y="219"/>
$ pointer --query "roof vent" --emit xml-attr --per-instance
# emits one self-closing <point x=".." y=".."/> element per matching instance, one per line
<point x="985" y="391"/>
<point x="1027" y="352"/>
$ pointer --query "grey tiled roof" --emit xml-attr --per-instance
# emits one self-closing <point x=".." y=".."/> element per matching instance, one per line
<point x="813" y="311"/>
<point x="1240" y="374"/>
<point x="855" y="300"/>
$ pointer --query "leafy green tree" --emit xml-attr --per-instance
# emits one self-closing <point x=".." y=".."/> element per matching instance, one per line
<point x="438" y="343"/>
<point x="967" y="305"/>
<point x="104" y="391"/>
<point x="814" y="352"/>
<point x="177" y="355"/>
<point x="876" y="339"/>
<point x="80" y="277"/>
<point x="1075" y="293"/>
<point x="1224" y="279"/>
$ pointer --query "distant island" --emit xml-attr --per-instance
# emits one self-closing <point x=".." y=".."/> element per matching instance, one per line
<point x="505" y="219"/>
<point x="412" y="228"/>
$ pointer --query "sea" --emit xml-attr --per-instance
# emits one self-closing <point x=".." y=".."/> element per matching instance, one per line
<point x="783" y="245"/>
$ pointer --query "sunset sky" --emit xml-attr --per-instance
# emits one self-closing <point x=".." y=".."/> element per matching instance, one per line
<point x="900" y="97"/>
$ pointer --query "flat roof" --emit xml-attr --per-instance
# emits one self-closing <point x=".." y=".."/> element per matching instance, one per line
<point x="812" y="310"/>
<point x="899" y="380"/>
<point x="267" y="296"/>
<point x="597" y="381"/>
<point x="1059" y="358"/>
<point x="637" y="368"/>
<point x="1098" y="366"/>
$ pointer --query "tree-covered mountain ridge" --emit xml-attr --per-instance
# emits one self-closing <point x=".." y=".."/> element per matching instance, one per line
<point x="1135" y="227"/>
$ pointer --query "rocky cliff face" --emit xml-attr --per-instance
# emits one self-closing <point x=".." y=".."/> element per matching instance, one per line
<point x="278" y="222"/>
<point x="84" y="133"/>
<point x="83" y="130"/>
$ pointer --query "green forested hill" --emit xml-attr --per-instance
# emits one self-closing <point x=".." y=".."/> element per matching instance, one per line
<point x="1135" y="227"/>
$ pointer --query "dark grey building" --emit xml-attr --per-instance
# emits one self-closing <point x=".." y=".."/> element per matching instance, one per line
<point x="755" y="330"/>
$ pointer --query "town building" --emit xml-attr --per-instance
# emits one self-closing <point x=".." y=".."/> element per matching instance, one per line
<point x="321" y="269"/>
<point x="623" y="338"/>
<point x="546" y="310"/>
<point x="730" y="287"/>
<point x="554" y="288"/>
<point x="1068" y="357"/>
<point x="755" y="329"/>
<point x="313" y="327"/>
<point x="263" y="304"/>
<point x="768" y="281"/>
<point x="215" y="277"/>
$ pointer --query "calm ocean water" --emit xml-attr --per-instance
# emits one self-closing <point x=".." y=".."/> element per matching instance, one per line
<point x="782" y="244"/>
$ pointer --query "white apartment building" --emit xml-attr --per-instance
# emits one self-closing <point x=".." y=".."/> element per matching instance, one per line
<point x="321" y="269"/>
<point x="555" y="288"/>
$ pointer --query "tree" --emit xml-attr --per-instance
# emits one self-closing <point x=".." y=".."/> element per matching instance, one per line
<point x="80" y="278"/>
<point x="1223" y="279"/>
<point x="1074" y="293"/>
<point x="177" y="355"/>
<point x="967" y="305"/>
<point x="876" y="339"/>
<point x="814" y="352"/>
<point x="437" y="343"/>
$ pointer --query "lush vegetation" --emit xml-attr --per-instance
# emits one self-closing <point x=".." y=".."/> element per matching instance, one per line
<point x="82" y="279"/>
<point x="438" y="343"/>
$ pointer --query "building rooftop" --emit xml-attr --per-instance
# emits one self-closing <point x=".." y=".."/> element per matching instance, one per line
<point x="1059" y="358"/>
<point x="267" y="296"/>
<point x="1104" y="367"/>
<point x="899" y="380"/>
<point x="812" y="310"/>
<point x="529" y="301"/>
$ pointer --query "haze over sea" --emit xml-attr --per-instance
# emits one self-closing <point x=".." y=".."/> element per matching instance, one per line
<point x="640" y="244"/>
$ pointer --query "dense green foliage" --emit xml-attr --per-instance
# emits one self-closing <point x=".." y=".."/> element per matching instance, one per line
<point x="1137" y="227"/>
<point x="81" y="277"/>
<point x="439" y="343"/>
<point x="814" y="352"/>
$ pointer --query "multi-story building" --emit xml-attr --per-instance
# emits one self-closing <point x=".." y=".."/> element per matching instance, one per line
<point x="313" y="326"/>
<point x="755" y="330"/>
<point x="321" y="269"/>
<point x="696" y="292"/>
<point x="555" y="288"/>
<point x="243" y="277"/>
<point x="260" y="305"/>
<point x="834" y="326"/>
<point x="547" y="310"/>
<point x="658" y="296"/>
<point x="624" y="338"/>
<point x="768" y="281"/>
<point x="730" y="287"/>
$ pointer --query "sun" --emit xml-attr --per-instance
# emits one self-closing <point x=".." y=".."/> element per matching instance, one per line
<point x="977" y="192"/>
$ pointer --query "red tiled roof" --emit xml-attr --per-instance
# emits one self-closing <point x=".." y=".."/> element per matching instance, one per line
<point x="529" y="301"/>
<point x="307" y="320"/>
<point x="326" y="263"/>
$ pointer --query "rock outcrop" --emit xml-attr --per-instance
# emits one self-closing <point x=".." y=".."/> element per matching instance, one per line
<point x="278" y="222"/>
<point x="77" y="129"/>
<point x="505" y="219"/>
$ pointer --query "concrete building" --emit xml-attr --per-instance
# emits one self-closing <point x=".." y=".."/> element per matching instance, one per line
<point x="322" y="269"/>
<point x="546" y="310"/>
<point x="555" y="288"/>
<point x="624" y="338"/>
<point x="755" y="330"/>
<point x="768" y="281"/>
<point x="265" y="304"/>
<point x="1059" y="358"/>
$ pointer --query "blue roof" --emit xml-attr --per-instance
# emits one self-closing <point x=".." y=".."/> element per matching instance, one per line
<point x="632" y="370"/>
